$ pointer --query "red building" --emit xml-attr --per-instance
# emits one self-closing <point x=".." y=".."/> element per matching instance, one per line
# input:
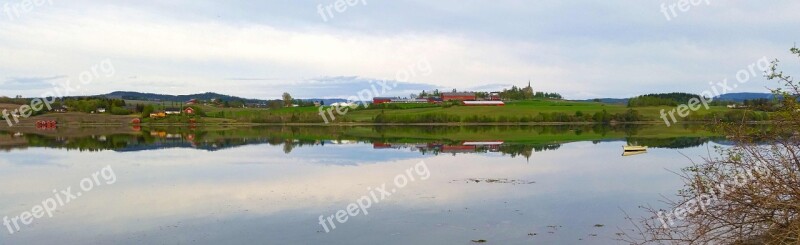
<point x="381" y="100"/>
<point x="189" y="110"/>
<point x="459" y="96"/>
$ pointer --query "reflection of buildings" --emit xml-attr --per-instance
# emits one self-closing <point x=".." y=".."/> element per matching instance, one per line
<point x="437" y="148"/>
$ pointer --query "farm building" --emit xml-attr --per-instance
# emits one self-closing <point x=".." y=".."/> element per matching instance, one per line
<point x="495" y="96"/>
<point x="382" y="100"/>
<point x="459" y="96"/>
<point x="173" y="111"/>
<point x="483" y="103"/>
<point x="386" y="100"/>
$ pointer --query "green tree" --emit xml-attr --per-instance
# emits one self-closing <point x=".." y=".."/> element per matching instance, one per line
<point x="287" y="99"/>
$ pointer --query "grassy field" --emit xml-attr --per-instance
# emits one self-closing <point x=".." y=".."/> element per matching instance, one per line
<point x="525" y="108"/>
<point x="514" y="110"/>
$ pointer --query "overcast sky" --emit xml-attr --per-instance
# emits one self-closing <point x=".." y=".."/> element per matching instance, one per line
<point x="259" y="49"/>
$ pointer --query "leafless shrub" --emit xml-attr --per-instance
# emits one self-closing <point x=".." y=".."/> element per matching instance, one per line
<point x="748" y="195"/>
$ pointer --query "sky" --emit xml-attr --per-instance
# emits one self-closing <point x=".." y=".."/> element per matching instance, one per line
<point x="309" y="48"/>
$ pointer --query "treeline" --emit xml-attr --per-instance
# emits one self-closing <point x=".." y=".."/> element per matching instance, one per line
<point x="761" y="105"/>
<point x="18" y="100"/>
<point x="517" y="93"/>
<point x="731" y="116"/>
<point x="670" y="99"/>
<point x="579" y="117"/>
<point x="92" y="104"/>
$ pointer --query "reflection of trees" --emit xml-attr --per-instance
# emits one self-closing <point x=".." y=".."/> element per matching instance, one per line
<point x="528" y="139"/>
<point x="526" y="150"/>
<point x="670" y="143"/>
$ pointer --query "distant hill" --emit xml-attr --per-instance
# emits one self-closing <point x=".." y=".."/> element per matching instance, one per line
<point x="607" y="100"/>
<point x="327" y="101"/>
<point x="180" y="98"/>
<point x="739" y="97"/>
<point x="205" y="96"/>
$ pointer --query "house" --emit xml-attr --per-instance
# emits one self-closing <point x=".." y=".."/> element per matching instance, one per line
<point x="101" y="110"/>
<point x="494" y="96"/>
<point x="159" y="114"/>
<point x="172" y="111"/>
<point x="189" y="111"/>
<point x="462" y="96"/>
<point x="60" y="109"/>
<point x="191" y="102"/>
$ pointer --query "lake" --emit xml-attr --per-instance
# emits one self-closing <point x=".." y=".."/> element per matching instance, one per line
<point x="375" y="185"/>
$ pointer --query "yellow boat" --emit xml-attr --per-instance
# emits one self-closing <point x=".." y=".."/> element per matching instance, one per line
<point x="635" y="148"/>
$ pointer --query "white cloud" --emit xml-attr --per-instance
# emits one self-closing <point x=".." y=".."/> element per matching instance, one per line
<point x="562" y="47"/>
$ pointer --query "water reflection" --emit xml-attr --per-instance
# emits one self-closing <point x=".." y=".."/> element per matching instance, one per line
<point x="428" y="140"/>
<point x="268" y="185"/>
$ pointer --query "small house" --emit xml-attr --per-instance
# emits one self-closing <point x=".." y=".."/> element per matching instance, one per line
<point x="101" y="110"/>
<point x="172" y="111"/>
<point x="495" y="96"/>
<point x="189" y="111"/>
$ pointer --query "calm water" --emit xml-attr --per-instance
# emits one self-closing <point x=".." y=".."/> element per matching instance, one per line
<point x="554" y="185"/>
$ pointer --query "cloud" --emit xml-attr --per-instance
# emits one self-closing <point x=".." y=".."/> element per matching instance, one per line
<point x="29" y="83"/>
<point x="614" y="49"/>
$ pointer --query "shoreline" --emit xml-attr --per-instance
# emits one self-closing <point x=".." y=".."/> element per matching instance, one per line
<point x="81" y="125"/>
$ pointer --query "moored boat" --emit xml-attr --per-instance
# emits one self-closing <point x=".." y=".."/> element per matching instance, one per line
<point x="635" y="148"/>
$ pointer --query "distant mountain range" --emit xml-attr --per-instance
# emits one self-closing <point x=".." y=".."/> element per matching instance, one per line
<point x="204" y="96"/>
<point x="180" y="98"/>
<point x="737" y="97"/>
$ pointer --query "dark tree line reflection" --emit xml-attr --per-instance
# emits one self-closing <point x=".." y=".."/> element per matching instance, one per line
<point x="511" y="140"/>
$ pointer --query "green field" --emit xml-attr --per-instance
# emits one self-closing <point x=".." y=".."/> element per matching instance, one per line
<point x="525" y="108"/>
<point x="520" y="111"/>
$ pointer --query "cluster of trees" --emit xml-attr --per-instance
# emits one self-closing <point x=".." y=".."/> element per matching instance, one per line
<point x="669" y="99"/>
<point x="760" y="104"/>
<point x="544" y="95"/>
<point x="92" y="104"/>
<point x="514" y="93"/>
<point x="18" y="100"/>
<point x="517" y="93"/>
